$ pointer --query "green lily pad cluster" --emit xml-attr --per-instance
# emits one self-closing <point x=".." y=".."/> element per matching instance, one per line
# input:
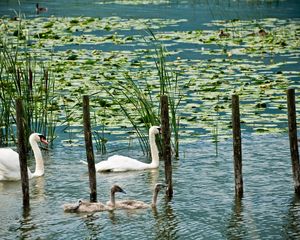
<point x="257" y="60"/>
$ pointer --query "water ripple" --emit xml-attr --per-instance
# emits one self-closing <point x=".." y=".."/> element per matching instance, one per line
<point x="203" y="205"/>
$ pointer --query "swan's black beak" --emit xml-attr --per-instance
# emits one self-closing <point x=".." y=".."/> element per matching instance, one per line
<point x="159" y="130"/>
<point x="160" y="186"/>
<point x="123" y="191"/>
<point x="117" y="188"/>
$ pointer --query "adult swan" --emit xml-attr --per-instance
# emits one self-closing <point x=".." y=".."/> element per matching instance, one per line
<point x="118" y="163"/>
<point x="10" y="165"/>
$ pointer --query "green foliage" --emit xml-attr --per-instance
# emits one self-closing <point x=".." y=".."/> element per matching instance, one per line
<point x="22" y="75"/>
<point x="142" y="100"/>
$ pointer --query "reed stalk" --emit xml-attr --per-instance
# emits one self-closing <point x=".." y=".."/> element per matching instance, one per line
<point x="23" y="75"/>
<point x="99" y="135"/>
<point x="168" y="86"/>
<point x="141" y="105"/>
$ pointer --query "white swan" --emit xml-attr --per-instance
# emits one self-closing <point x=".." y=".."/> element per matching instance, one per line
<point x="118" y="163"/>
<point x="10" y="165"/>
<point x="132" y="204"/>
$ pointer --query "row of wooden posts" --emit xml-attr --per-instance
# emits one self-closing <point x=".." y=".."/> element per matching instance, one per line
<point x="237" y="142"/>
<point x="166" y="146"/>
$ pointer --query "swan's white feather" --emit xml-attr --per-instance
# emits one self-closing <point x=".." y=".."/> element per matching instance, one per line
<point x="118" y="163"/>
<point x="9" y="164"/>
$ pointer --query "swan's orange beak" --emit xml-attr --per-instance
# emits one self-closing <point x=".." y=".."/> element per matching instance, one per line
<point x="43" y="140"/>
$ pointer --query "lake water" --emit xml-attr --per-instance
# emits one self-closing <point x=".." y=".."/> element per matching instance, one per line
<point x="204" y="204"/>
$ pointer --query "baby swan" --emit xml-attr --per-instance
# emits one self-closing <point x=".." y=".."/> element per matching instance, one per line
<point x="133" y="204"/>
<point x="86" y="207"/>
<point x="90" y="207"/>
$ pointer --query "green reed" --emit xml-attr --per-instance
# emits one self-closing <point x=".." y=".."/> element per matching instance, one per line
<point x="140" y="103"/>
<point x="136" y="106"/>
<point x="99" y="135"/>
<point x="169" y="86"/>
<point x="23" y="75"/>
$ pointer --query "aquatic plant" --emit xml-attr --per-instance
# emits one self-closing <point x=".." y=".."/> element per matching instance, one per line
<point x="99" y="135"/>
<point x="139" y="100"/>
<point x="23" y="75"/>
<point x="136" y="105"/>
<point x="204" y="65"/>
<point x="169" y="86"/>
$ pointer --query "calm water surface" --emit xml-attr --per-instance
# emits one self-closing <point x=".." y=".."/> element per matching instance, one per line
<point x="204" y="205"/>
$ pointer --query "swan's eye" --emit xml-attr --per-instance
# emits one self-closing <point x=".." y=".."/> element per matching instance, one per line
<point x="42" y="137"/>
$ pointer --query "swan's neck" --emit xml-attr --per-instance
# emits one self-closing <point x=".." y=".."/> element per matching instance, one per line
<point x="154" y="151"/>
<point x="154" y="198"/>
<point x="112" y="199"/>
<point x="39" y="162"/>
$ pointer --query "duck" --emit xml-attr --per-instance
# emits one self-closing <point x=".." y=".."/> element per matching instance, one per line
<point x="10" y="165"/>
<point x="132" y="204"/>
<point x="262" y="33"/>
<point x="39" y="9"/>
<point x="222" y="34"/>
<point x="119" y="163"/>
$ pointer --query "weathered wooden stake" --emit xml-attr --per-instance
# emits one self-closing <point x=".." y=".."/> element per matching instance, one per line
<point x="22" y="152"/>
<point x="166" y="146"/>
<point x="293" y="138"/>
<point x="89" y="148"/>
<point x="237" y="146"/>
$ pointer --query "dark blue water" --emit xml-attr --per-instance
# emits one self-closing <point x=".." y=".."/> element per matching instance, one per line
<point x="197" y="12"/>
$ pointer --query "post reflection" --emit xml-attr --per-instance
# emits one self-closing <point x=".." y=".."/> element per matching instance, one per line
<point x="291" y="221"/>
<point x="234" y="229"/>
<point x="93" y="226"/>
<point x="26" y="224"/>
<point x="166" y="225"/>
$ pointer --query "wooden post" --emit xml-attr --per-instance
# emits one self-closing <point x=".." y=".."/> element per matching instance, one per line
<point x="22" y="152"/>
<point x="166" y="146"/>
<point x="293" y="138"/>
<point x="237" y="146"/>
<point x="89" y="148"/>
